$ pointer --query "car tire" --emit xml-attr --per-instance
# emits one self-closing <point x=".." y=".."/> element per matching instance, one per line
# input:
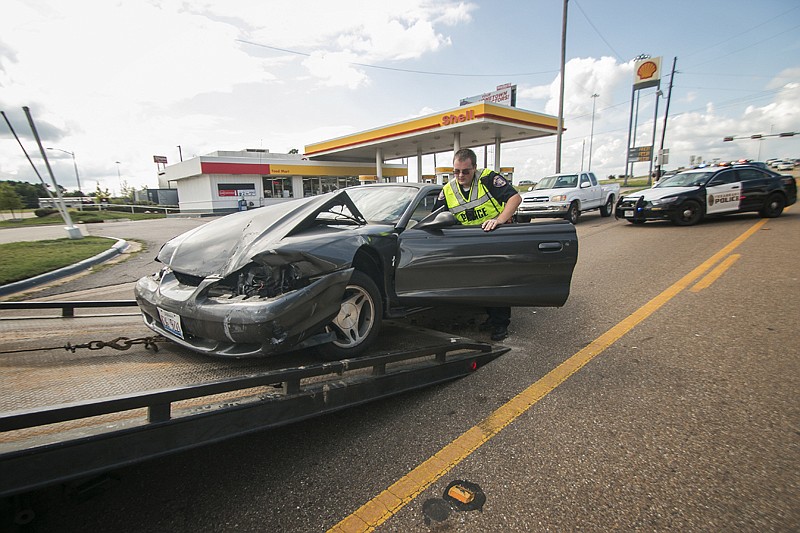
<point x="359" y="320"/>
<point x="573" y="213"/>
<point x="773" y="207"/>
<point x="608" y="209"/>
<point x="689" y="214"/>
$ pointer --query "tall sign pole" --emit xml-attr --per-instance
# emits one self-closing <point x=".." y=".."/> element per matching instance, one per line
<point x="647" y="73"/>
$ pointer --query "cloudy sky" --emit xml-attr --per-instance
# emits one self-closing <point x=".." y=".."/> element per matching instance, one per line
<point x="122" y="81"/>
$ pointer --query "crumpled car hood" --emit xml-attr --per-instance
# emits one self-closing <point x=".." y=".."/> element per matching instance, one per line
<point x="229" y="243"/>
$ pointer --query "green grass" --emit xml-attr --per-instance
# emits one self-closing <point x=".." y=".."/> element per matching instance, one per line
<point x="22" y="260"/>
<point x="87" y="217"/>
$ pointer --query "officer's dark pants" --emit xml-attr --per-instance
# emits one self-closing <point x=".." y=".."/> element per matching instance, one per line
<point x="499" y="316"/>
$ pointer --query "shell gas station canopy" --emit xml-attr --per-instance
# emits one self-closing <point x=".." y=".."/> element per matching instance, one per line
<point x="467" y="126"/>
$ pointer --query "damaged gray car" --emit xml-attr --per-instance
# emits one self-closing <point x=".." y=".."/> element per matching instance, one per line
<point x="325" y="271"/>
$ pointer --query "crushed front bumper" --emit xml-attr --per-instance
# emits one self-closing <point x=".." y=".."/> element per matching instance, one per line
<point x="239" y="326"/>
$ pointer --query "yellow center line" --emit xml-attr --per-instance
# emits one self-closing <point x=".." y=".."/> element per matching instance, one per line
<point x="712" y="276"/>
<point x="386" y="504"/>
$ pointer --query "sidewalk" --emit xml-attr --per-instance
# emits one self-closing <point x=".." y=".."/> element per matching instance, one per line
<point x="37" y="233"/>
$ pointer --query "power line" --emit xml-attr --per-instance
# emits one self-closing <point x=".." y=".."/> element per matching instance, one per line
<point x="738" y="35"/>
<point x="774" y="35"/>
<point x="409" y="71"/>
<point x="598" y="31"/>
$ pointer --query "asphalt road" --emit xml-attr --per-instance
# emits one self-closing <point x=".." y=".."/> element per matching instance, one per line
<point x="679" y="412"/>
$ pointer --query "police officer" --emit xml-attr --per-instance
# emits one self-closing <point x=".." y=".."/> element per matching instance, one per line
<point x="481" y="196"/>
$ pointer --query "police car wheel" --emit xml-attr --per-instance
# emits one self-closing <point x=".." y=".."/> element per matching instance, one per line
<point x="688" y="214"/>
<point x="358" y="322"/>
<point x="773" y="206"/>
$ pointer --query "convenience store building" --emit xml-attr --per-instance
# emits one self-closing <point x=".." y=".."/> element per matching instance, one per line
<point x="218" y="182"/>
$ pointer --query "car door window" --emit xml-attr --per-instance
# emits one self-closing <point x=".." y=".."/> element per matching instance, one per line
<point x="423" y="209"/>
<point x="585" y="179"/>
<point x="593" y="179"/>
<point x="749" y="174"/>
<point x="723" y="178"/>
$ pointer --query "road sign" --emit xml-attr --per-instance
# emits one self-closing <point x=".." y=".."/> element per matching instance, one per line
<point x="640" y="153"/>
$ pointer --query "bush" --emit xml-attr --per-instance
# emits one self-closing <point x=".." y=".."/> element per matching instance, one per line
<point x="44" y="211"/>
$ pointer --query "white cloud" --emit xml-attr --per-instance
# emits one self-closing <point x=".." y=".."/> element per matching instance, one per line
<point x="336" y="69"/>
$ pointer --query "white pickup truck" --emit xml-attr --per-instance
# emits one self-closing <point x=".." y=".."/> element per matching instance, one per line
<point x="566" y="196"/>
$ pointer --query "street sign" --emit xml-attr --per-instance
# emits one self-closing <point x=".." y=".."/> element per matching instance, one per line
<point x="640" y="153"/>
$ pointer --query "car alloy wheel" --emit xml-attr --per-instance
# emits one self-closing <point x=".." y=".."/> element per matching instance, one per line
<point x="689" y="214"/>
<point x="773" y="206"/>
<point x="573" y="213"/>
<point x="608" y="209"/>
<point x="359" y="319"/>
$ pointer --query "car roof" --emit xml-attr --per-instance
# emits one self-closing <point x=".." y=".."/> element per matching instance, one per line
<point x="412" y="184"/>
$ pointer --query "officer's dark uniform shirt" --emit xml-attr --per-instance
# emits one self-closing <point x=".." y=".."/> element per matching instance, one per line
<point x="499" y="187"/>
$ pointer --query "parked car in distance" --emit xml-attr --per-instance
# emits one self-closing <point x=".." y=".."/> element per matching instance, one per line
<point x="689" y="196"/>
<point x="325" y="270"/>
<point x="567" y="195"/>
<point x="784" y="165"/>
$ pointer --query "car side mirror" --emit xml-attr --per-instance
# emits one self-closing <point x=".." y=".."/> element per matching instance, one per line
<point x="442" y="219"/>
<point x="585" y="185"/>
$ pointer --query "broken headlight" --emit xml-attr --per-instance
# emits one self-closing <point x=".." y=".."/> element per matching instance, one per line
<point x="260" y="281"/>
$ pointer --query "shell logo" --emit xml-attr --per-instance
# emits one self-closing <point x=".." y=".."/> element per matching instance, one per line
<point x="646" y="70"/>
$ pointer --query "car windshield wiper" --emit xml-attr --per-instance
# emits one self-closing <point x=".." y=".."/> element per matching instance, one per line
<point x="338" y="216"/>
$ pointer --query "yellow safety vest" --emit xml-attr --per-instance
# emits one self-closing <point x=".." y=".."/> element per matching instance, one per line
<point x="478" y="207"/>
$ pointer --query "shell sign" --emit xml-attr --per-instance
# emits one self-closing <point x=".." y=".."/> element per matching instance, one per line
<point x="647" y="73"/>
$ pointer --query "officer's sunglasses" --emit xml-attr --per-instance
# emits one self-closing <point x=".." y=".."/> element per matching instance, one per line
<point x="466" y="171"/>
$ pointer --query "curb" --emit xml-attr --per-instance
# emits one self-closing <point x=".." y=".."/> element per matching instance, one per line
<point x="47" y="277"/>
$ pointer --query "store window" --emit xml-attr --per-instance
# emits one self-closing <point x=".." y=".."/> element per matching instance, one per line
<point x="277" y="187"/>
<point x="236" y="189"/>
<point x="313" y="186"/>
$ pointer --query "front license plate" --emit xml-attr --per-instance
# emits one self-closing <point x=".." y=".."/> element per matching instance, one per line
<point x="627" y="214"/>
<point x="171" y="322"/>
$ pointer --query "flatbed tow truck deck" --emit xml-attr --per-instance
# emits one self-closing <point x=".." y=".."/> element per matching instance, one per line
<point x="66" y="415"/>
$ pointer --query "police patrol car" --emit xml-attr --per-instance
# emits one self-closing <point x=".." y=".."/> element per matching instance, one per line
<point x="685" y="198"/>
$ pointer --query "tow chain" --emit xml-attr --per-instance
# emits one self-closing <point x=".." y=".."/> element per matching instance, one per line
<point x="120" y="343"/>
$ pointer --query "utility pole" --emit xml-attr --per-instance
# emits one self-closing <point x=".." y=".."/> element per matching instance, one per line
<point x="561" y="92"/>
<point x="591" y="134"/>
<point x="666" y="114"/>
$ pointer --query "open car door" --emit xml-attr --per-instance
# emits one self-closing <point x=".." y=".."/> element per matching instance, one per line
<point x="515" y="265"/>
